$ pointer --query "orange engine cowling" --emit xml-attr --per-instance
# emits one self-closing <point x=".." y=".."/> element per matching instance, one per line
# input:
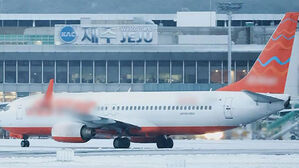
<point x="73" y="132"/>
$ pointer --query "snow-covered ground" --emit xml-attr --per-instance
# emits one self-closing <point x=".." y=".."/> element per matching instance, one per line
<point x="186" y="153"/>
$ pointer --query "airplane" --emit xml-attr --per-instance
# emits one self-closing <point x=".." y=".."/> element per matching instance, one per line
<point x="152" y="117"/>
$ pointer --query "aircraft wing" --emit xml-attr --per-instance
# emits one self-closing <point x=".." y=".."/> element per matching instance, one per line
<point x="104" y="123"/>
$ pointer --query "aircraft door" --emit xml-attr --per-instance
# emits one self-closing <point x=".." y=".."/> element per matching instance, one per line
<point x="19" y="113"/>
<point x="228" y="108"/>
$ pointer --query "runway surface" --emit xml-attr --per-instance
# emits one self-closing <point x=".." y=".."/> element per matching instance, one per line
<point x="47" y="147"/>
<point x="186" y="153"/>
<point x="144" y="151"/>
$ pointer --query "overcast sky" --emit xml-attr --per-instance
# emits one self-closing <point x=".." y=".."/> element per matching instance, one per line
<point x="140" y="6"/>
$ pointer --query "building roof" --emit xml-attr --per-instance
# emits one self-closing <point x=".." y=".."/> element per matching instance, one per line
<point x="140" y="6"/>
<point x="31" y="16"/>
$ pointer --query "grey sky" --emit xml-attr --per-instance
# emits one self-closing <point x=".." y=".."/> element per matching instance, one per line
<point x="139" y="6"/>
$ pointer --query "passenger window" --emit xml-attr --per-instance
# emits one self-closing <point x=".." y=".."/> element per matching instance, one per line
<point x="185" y="107"/>
<point x="146" y="107"/>
<point x="151" y="107"/>
<point x="169" y="107"/>
<point x="117" y="107"/>
<point x="181" y="107"/>
<point x="193" y="107"/>
<point x="173" y="107"/>
<point x="210" y="107"/>
<point x="160" y="107"/>
<point x="197" y="107"/>
<point x="177" y="107"/>
<point x="139" y="107"/>
<point x="164" y="108"/>
<point x="201" y="107"/>
<point x="142" y="108"/>
<point x="135" y="107"/>
<point x="113" y="107"/>
<point x="156" y="107"/>
<point x="189" y="107"/>
<point x="106" y="107"/>
<point x="122" y="107"/>
<point x="206" y="107"/>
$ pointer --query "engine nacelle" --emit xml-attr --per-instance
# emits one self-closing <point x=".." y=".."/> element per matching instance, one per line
<point x="72" y="132"/>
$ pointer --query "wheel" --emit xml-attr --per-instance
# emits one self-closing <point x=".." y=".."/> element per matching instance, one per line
<point x="293" y="137"/>
<point x="163" y="142"/>
<point x="169" y="143"/>
<point x="25" y="143"/>
<point x="121" y="143"/>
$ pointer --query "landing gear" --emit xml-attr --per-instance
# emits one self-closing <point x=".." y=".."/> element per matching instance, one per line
<point x="25" y="143"/>
<point x="164" y="142"/>
<point x="121" y="142"/>
<point x="293" y="137"/>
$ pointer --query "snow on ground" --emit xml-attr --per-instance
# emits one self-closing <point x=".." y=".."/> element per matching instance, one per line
<point x="159" y="161"/>
<point x="178" y="144"/>
<point x="11" y="155"/>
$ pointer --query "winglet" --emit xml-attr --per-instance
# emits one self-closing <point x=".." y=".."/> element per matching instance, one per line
<point x="49" y="93"/>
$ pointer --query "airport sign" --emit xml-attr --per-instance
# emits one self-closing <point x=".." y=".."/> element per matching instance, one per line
<point x="132" y="34"/>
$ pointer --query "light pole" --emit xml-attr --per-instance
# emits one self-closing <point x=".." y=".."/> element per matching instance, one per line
<point x="229" y="7"/>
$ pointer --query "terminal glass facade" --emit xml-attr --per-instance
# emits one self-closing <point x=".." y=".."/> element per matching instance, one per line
<point x="23" y="71"/>
<point x="74" y="71"/>
<point x="177" y="72"/>
<point x="61" y="71"/>
<point x="138" y="71"/>
<point x="94" y="71"/>
<point x="203" y="71"/>
<point x="100" y="71"/>
<point x="36" y="71"/>
<point x="241" y="69"/>
<point x="125" y="72"/>
<point x="87" y="71"/>
<point x="215" y="72"/>
<point x="48" y="71"/>
<point x="113" y="71"/>
<point x="164" y="71"/>
<point x="1" y="71"/>
<point x="10" y="71"/>
<point x="151" y="71"/>
<point x="189" y="71"/>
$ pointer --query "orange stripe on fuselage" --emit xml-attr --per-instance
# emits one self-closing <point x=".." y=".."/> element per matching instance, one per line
<point x="181" y="130"/>
<point x="29" y="130"/>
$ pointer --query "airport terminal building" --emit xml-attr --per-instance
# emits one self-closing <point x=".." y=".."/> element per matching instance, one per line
<point x="122" y="52"/>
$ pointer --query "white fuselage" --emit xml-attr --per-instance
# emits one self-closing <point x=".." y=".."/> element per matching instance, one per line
<point x="149" y="109"/>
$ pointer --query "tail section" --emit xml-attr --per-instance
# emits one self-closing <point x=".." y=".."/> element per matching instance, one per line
<point x="269" y="72"/>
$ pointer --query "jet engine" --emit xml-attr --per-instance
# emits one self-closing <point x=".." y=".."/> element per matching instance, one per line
<point x="73" y="132"/>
